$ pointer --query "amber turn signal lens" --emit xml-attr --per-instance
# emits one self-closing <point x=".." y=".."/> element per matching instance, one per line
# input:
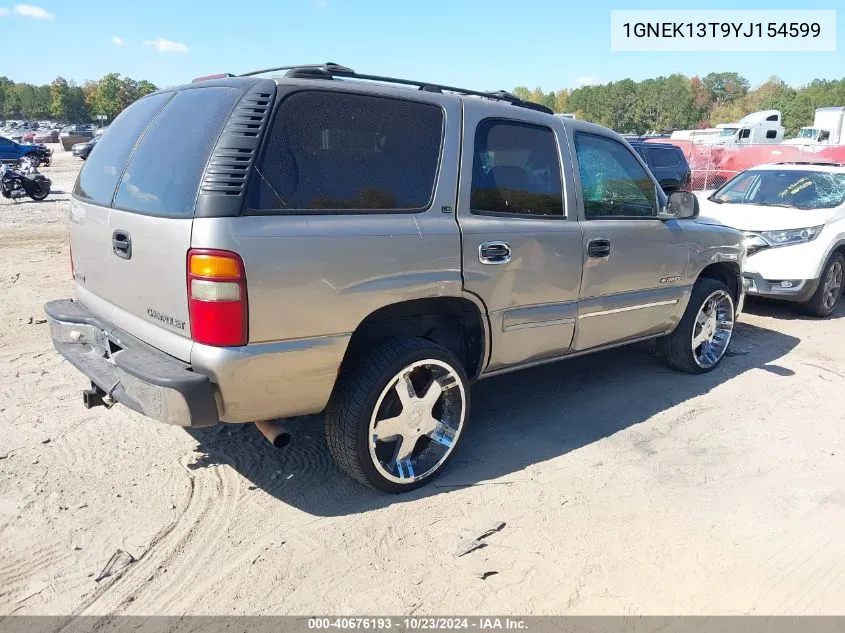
<point x="214" y="267"/>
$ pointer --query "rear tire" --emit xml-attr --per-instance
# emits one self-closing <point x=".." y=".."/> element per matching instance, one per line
<point x="704" y="333"/>
<point x="827" y="295"/>
<point x="391" y="436"/>
<point x="41" y="195"/>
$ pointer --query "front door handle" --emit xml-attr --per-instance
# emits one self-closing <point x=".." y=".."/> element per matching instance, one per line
<point x="121" y="243"/>
<point x="494" y="253"/>
<point x="598" y="249"/>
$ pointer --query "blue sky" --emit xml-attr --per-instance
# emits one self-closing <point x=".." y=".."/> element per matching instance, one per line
<point x="495" y="44"/>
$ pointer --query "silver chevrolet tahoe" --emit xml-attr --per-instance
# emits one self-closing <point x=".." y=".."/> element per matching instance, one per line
<point x="310" y="239"/>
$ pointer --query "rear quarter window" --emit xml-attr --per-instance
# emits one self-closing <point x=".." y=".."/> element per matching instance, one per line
<point x="164" y="173"/>
<point x="664" y="157"/>
<point x="339" y="152"/>
<point x="100" y="173"/>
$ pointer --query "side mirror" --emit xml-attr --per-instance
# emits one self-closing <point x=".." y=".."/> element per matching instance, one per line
<point x="682" y="205"/>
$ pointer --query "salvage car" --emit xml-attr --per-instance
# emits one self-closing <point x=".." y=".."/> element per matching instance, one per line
<point x="667" y="162"/>
<point x="252" y="248"/>
<point x="12" y="152"/>
<point x="793" y="217"/>
<point x="82" y="150"/>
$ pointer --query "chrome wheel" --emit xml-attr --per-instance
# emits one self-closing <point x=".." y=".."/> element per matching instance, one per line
<point x="832" y="286"/>
<point x="713" y="328"/>
<point x="417" y="420"/>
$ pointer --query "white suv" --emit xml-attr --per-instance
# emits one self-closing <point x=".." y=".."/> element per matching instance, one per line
<point x="793" y="217"/>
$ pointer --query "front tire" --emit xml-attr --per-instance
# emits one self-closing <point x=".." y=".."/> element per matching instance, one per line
<point x="397" y="414"/>
<point x="702" y="337"/>
<point x="827" y="295"/>
<point x="34" y="160"/>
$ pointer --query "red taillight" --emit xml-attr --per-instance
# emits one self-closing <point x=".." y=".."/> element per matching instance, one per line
<point x="217" y="299"/>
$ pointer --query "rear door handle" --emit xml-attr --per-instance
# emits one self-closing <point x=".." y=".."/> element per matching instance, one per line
<point x="494" y="253"/>
<point x="121" y="243"/>
<point x="598" y="249"/>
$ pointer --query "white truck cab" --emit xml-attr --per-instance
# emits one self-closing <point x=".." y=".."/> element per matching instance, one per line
<point x="757" y="128"/>
<point x="826" y="128"/>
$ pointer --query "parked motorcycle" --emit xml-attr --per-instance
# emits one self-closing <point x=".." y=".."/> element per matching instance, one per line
<point x="23" y="181"/>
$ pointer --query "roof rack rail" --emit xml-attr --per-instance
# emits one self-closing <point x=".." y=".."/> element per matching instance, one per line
<point x="331" y="70"/>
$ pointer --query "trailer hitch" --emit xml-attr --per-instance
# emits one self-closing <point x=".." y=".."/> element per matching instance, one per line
<point x="96" y="397"/>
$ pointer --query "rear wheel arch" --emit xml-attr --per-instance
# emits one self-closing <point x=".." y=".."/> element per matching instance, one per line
<point x="457" y="323"/>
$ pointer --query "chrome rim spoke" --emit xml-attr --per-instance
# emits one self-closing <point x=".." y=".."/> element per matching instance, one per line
<point x="405" y="449"/>
<point x="389" y="428"/>
<point x="405" y="389"/>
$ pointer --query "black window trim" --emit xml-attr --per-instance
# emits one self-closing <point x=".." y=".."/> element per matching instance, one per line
<point x="282" y="94"/>
<point x="522" y="216"/>
<point x="654" y="184"/>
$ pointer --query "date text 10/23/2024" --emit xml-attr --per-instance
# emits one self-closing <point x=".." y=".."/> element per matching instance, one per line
<point x="418" y="623"/>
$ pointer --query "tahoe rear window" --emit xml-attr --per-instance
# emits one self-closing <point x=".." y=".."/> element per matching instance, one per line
<point x="164" y="173"/>
<point x="664" y="156"/>
<point x="347" y="152"/>
<point x="177" y="134"/>
<point x="100" y="173"/>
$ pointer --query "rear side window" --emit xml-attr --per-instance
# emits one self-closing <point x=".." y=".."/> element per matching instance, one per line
<point x="102" y="170"/>
<point x="664" y="157"/>
<point x="164" y="173"/>
<point x="771" y="133"/>
<point x="347" y="152"/>
<point x="516" y="170"/>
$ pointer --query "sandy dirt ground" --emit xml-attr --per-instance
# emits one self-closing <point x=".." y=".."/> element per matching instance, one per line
<point x="625" y="488"/>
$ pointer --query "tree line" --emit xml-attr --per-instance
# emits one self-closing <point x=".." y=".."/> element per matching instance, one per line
<point x="662" y="104"/>
<point x="65" y="101"/>
<point x="678" y="102"/>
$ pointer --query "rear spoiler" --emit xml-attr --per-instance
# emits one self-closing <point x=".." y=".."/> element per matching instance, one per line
<point x="207" y="77"/>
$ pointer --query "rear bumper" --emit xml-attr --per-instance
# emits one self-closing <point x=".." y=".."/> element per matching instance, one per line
<point x="133" y="373"/>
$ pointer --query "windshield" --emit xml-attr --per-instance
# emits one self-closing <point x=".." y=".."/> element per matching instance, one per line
<point x="801" y="189"/>
<point x="808" y="132"/>
<point x="728" y="131"/>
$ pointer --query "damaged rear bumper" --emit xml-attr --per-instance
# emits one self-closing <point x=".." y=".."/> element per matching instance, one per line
<point x="123" y="369"/>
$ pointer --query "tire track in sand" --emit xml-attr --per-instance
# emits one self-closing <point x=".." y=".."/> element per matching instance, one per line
<point x="182" y="553"/>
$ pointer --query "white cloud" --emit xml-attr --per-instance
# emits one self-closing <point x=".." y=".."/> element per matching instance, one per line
<point x="4" y="11"/>
<point x="31" y="11"/>
<point x="117" y="41"/>
<point x="321" y="4"/>
<point x="587" y="80"/>
<point x="166" y="46"/>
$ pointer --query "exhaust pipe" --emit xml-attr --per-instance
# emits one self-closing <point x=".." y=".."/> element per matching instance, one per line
<point x="275" y="432"/>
